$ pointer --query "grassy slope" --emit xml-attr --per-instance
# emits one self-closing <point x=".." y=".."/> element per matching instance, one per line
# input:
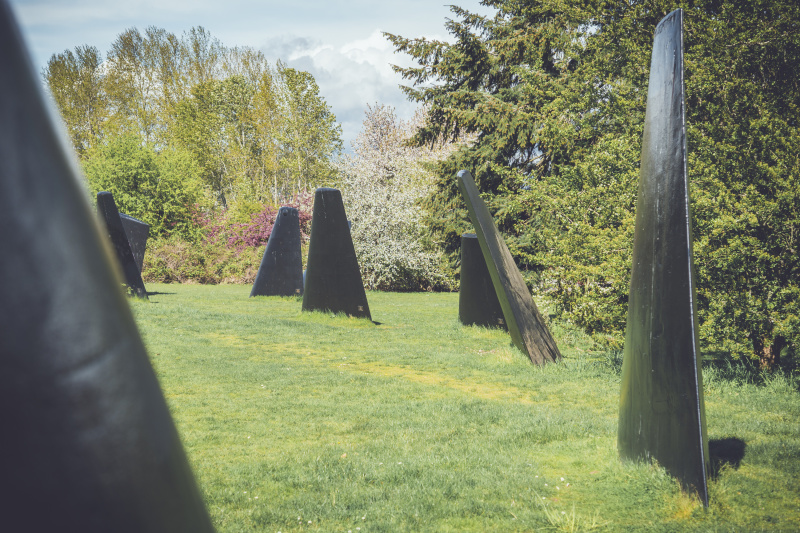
<point x="308" y="422"/>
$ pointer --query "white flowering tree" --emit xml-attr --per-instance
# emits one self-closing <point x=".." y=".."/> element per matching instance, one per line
<point x="383" y="183"/>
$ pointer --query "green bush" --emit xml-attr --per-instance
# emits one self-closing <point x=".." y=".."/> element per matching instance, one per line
<point x="176" y="260"/>
<point x="162" y="188"/>
<point x="223" y="250"/>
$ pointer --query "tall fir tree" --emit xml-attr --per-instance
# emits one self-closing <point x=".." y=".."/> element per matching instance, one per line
<point x="555" y="92"/>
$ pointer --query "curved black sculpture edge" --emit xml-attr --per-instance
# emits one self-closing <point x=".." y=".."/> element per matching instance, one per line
<point x="107" y="210"/>
<point x="137" y="233"/>
<point x="333" y="277"/>
<point x="89" y="444"/>
<point x="477" y="300"/>
<point x="662" y="412"/>
<point x="281" y="270"/>
<point x="525" y="324"/>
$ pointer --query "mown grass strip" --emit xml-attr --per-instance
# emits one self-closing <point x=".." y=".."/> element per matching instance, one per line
<point x="310" y="422"/>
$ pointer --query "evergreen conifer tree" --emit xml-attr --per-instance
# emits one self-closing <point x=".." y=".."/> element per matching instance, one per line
<point x="555" y="92"/>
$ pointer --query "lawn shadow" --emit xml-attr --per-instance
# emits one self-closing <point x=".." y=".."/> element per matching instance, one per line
<point x="728" y="451"/>
<point x="155" y="293"/>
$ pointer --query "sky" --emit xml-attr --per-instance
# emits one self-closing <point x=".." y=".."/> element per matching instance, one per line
<point x="339" y="43"/>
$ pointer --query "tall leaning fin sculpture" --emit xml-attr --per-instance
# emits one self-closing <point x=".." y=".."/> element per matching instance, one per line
<point x="525" y="324"/>
<point x="662" y="415"/>
<point x="87" y="441"/>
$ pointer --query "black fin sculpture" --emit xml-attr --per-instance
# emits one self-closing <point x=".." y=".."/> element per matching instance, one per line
<point x="281" y="270"/>
<point x="137" y="233"/>
<point x="477" y="300"/>
<point x="333" y="278"/>
<point x="87" y="440"/>
<point x="525" y="324"/>
<point x="107" y="210"/>
<point x="662" y="415"/>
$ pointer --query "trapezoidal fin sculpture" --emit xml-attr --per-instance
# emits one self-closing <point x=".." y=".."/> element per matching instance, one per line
<point x="88" y="441"/>
<point x="107" y="209"/>
<point x="525" y="324"/>
<point x="333" y="277"/>
<point x="477" y="300"/>
<point x="281" y="270"/>
<point x="662" y="414"/>
<point x="137" y="233"/>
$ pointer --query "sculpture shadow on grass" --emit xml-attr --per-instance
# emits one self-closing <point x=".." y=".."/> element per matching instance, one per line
<point x="725" y="452"/>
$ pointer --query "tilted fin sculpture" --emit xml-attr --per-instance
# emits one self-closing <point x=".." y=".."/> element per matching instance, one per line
<point x="88" y="443"/>
<point x="137" y="232"/>
<point x="662" y="415"/>
<point x="109" y="214"/>
<point x="525" y="324"/>
<point x="333" y="277"/>
<point x="477" y="300"/>
<point x="281" y="270"/>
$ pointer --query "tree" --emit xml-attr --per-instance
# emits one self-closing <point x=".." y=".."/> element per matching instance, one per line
<point x="383" y="182"/>
<point x="160" y="188"/>
<point x="198" y="129"/>
<point x="555" y="93"/>
<point x="310" y="137"/>
<point x="76" y="84"/>
<point x="259" y="133"/>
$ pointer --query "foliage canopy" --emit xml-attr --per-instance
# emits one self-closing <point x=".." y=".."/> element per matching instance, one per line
<point x="259" y="133"/>
<point x="383" y="183"/>
<point x="555" y="92"/>
<point x="162" y="188"/>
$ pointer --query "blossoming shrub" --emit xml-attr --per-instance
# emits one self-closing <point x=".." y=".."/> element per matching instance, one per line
<point x="383" y="182"/>
<point x="223" y="251"/>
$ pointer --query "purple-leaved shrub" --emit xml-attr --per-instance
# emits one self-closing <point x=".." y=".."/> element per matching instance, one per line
<point x="222" y="251"/>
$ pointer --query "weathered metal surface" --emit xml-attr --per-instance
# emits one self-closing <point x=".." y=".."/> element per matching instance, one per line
<point x="333" y="278"/>
<point x="281" y="270"/>
<point x="525" y="324"/>
<point x="107" y="210"/>
<point x="661" y="404"/>
<point x="137" y="233"/>
<point x="477" y="300"/>
<point x="87" y="441"/>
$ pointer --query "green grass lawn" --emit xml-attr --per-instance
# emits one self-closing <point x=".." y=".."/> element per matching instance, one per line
<point x="310" y="422"/>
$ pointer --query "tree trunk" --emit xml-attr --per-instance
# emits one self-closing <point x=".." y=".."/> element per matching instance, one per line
<point x="769" y="353"/>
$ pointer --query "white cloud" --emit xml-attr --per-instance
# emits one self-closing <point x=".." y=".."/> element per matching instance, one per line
<point x="335" y="41"/>
<point x="350" y="75"/>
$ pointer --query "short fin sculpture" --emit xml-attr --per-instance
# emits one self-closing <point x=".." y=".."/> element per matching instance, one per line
<point x="333" y="277"/>
<point x="281" y="270"/>
<point x="137" y="232"/>
<point x="107" y="210"/>
<point x="477" y="300"/>
<point x="88" y="443"/>
<point x="662" y="414"/>
<point x="525" y="324"/>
